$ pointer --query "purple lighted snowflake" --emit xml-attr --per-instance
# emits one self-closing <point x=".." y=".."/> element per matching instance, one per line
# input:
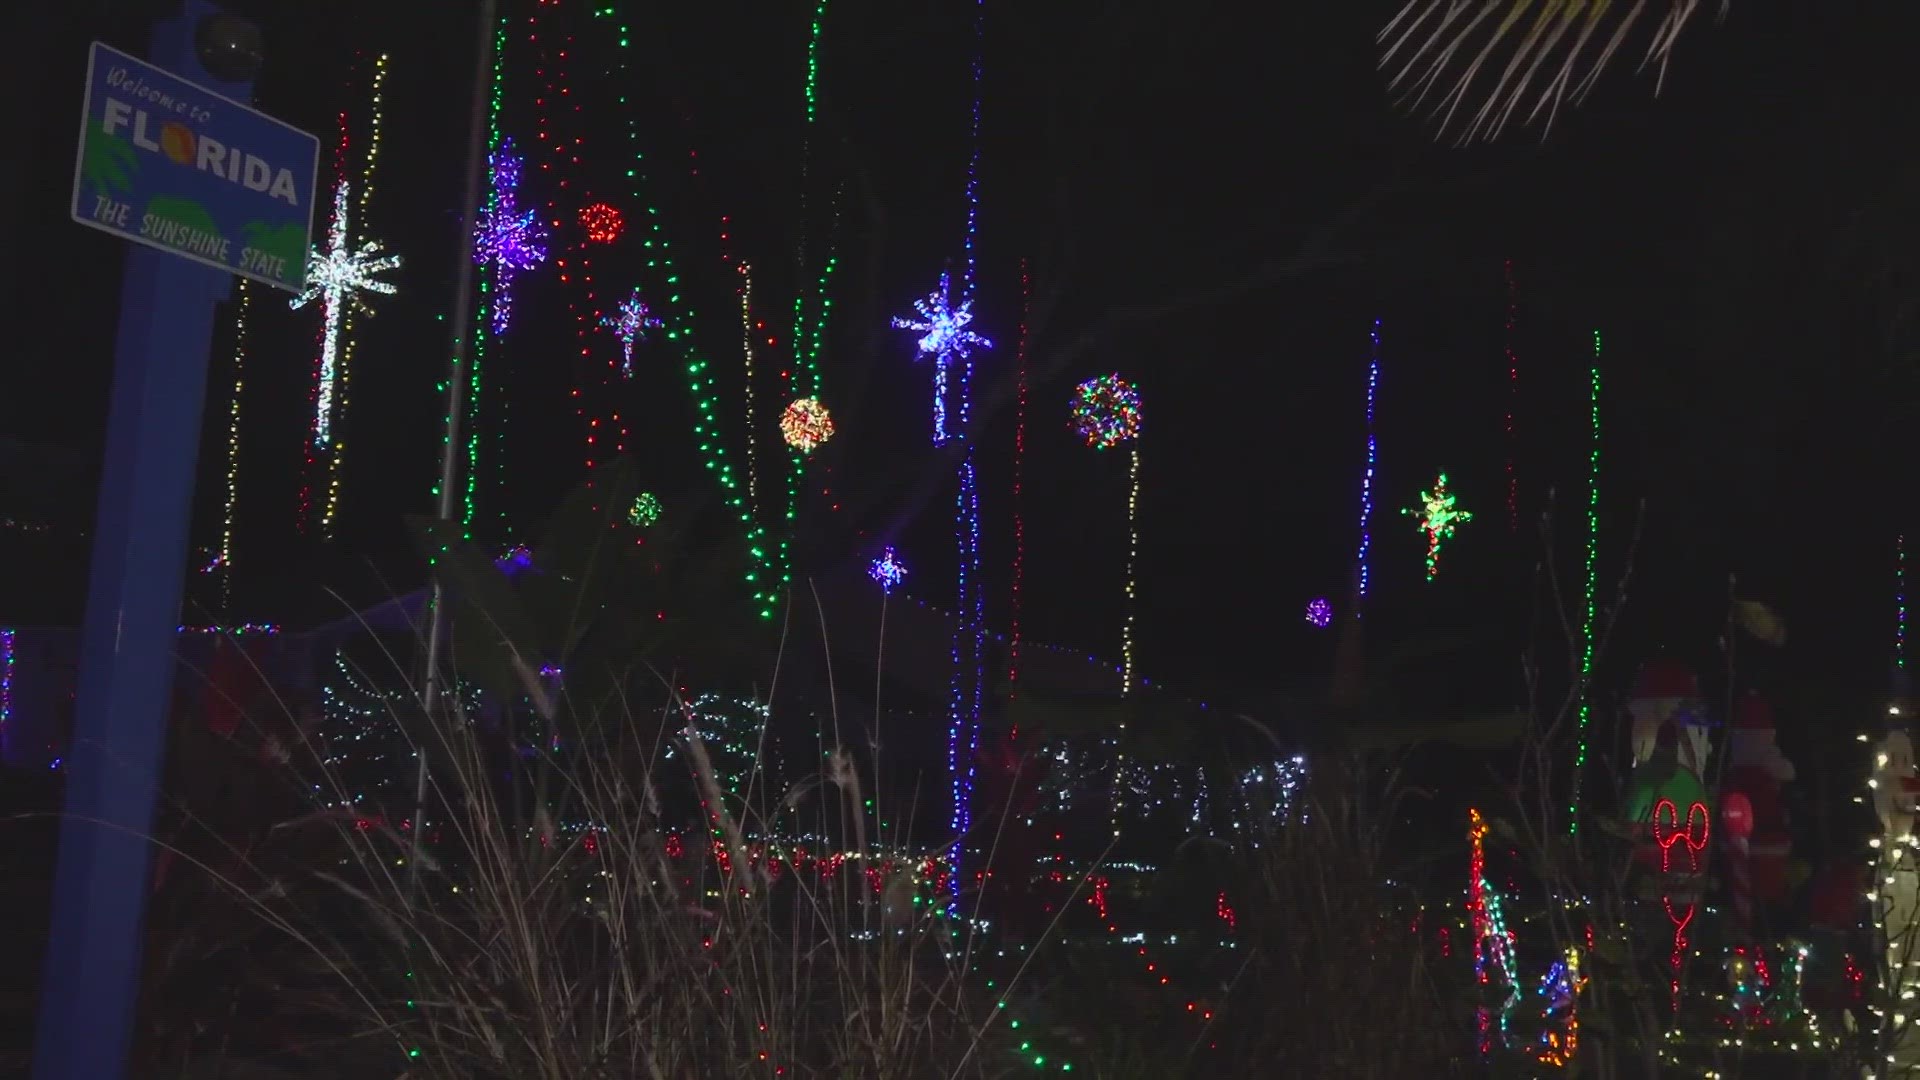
<point x="1320" y="613"/>
<point x="505" y="237"/>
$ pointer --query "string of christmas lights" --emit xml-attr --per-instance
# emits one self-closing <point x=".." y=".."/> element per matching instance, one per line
<point x="1492" y="940"/>
<point x="747" y="336"/>
<point x="678" y="320"/>
<point x="969" y="651"/>
<point x="1900" y="603"/>
<point x="339" y="277"/>
<point x="6" y="686"/>
<point x="223" y="553"/>
<point x="1019" y="521"/>
<point x="1587" y="590"/>
<point x="1366" y="475"/>
<point x="488" y="250"/>
<point x="803" y="377"/>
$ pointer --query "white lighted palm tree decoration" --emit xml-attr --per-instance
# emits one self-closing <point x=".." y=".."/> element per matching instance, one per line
<point x="339" y="277"/>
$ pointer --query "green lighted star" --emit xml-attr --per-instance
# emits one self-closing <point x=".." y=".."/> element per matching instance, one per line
<point x="1437" y="517"/>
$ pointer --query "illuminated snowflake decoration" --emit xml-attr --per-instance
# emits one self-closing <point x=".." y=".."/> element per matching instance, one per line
<point x="806" y="424"/>
<point x="630" y="323"/>
<point x="1437" y="517"/>
<point x="1106" y="411"/>
<point x="339" y="277"/>
<point x="888" y="570"/>
<point x="1320" y="613"/>
<point x="601" y="222"/>
<point x="645" y="510"/>
<point x="944" y="335"/>
<point x="507" y="239"/>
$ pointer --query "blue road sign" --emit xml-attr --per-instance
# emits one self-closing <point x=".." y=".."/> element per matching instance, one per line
<point x="175" y="166"/>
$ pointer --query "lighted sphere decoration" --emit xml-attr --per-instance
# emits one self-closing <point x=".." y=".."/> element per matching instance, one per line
<point x="1320" y="613"/>
<point x="1106" y="411"/>
<point x="645" y="510"/>
<point x="602" y="222"/>
<point x="806" y="424"/>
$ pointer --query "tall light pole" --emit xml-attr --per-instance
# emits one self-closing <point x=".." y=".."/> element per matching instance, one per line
<point x="463" y="329"/>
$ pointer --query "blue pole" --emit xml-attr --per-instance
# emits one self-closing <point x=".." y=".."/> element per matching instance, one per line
<point x="91" y="979"/>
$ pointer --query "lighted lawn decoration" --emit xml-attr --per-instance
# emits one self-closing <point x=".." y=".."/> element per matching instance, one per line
<point x="1438" y="515"/>
<point x="888" y="571"/>
<point x="644" y="511"/>
<point x="806" y="424"/>
<point x="630" y="323"/>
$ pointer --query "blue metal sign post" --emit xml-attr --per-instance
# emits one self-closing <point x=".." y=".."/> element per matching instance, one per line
<point x="208" y="188"/>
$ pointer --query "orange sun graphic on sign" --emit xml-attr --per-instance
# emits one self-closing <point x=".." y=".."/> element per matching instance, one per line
<point x="176" y="141"/>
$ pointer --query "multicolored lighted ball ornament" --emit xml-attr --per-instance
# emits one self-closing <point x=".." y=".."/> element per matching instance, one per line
<point x="645" y="510"/>
<point x="601" y="222"/>
<point x="888" y="570"/>
<point x="1437" y="517"/>
<point x="630" y="323"/>
<point x="1320" y="613"/>
<point x="1106" y="411"/>
<point x="806" y="424"/>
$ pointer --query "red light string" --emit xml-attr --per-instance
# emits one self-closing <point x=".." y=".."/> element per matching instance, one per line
<point x="576" y="229"/>
<point x="312" y="465"/>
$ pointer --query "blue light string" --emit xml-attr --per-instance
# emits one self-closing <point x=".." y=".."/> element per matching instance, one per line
<point x="1366" y="479"/>
<point x="970" y="629"/>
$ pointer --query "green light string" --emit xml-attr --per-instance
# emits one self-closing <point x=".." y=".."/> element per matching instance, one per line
<point x="483" y="310"/>
<point x="679" y="332"/>
<point x="1586" y="615"/>
<point x="805" y="382"/>
<point x="813" y="61"/>
<point x="804" y="378"/>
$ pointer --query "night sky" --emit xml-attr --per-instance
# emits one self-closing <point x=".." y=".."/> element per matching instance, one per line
<point x="1215" y="203"/>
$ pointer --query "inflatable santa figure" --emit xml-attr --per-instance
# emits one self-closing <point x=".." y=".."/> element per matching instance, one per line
<point x="1663" y="688"/>
<point x="1757" y="770"/>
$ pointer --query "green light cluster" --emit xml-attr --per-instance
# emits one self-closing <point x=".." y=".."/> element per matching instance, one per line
<point x="1586" y="615"/>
